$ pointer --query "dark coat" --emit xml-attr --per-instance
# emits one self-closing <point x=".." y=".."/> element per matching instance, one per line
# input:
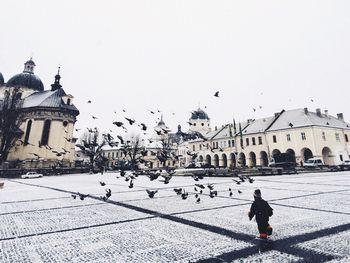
<point x="261" y="210"/>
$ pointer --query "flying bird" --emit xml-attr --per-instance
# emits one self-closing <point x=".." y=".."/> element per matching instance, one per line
<point x="131" y="121"/>
<point x="118" y="123"/>
<point x="151" y="193"/>
<point x="216" y="94"/>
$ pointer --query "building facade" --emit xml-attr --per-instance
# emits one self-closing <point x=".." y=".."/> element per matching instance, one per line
<point x="300" y="132"/>
<point x="47" y="119"/>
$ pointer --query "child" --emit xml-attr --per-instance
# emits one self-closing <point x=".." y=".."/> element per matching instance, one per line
<point x="262" y="211"/>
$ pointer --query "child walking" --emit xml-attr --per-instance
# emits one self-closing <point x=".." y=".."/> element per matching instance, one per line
<point x="262" y="211"/>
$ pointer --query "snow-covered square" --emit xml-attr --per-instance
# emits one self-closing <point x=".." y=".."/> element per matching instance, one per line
<point x="40" y="221"/>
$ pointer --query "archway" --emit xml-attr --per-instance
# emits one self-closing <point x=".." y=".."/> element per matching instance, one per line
<point x="224" y="160"/>
<point x="216" y="160"/>
<point x="200" y="159"/>
<point x="232" y="160"/>
<point x="208" y="159"/>
<point x="306" y="153"/>
<point x="328" y="159"/>
<point x="264" y="160"/>
<point x="252" y="159"/>
<point x="275" y="152"/>
<point x="242" y="160"/>
<point x="291" y="152"/>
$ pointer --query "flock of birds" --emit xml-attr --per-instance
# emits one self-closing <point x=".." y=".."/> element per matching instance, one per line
<point x="165" y="177"/>
<point x="165" y="174"/>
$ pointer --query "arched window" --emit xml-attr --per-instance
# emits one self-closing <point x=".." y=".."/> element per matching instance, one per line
<point x="68" y="101"/>
<point x="46" y="132"/>
<point x="29" y="127"/>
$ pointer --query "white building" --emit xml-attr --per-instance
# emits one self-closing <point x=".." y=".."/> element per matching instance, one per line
<point x="301" y="133"/>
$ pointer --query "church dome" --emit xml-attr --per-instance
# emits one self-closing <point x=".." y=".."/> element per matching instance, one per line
<point x="2" y="81"/>
<point x="199" y="115"/>
<point x="27" y="78"/>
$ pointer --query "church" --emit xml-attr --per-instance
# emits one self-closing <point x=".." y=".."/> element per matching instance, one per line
<point x="46" y="122"/>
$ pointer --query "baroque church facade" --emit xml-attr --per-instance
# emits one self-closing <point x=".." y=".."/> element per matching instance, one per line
<point x="46" y="122"/>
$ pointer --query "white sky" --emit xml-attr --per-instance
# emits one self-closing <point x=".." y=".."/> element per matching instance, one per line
<point x="173" y="55"/>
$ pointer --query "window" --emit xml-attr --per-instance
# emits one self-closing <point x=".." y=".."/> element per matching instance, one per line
<point x="288" y="137"/>
<point x="241" y="141"/>
<point x="253" y="141"/>
<point x="194" y="124"/>
<point x="303" y="136"/>
<point x="341" y="158"/>
<point x="109" y="155"/>
<point x="202" y="124"/>
<point x="68" y="101"/>
<point x="274" y="138"/>
<point x="337" y="137"/>
<point x="247" y="141"/>
<point x="200" y="147"/>
<point x="112" y="155"/>
<point x="323" y="136"/>
<point x="260" y="140"/>
<point x="194" y="147"/>
<point x="229" y="143"/>
<point x="26" y="137"/>
<point x="346" y="138"/>
<point x="233" y="143"/>
<point x="46" y="132"/>
<point x="65" y="123"/>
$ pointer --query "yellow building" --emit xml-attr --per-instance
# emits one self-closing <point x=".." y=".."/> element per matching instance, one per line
<point x="299" y="132"/>
<point x="47" y="122"/>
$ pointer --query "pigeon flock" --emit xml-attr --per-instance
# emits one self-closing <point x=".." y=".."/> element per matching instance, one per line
<point x="134" y="152"/>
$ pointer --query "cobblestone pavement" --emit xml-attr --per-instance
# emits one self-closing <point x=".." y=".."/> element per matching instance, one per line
<point x="41" y="222"/>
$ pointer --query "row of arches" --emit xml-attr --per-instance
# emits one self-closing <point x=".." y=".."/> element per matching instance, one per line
<point x="262" y="159"/>
<point x="232" y="160"/>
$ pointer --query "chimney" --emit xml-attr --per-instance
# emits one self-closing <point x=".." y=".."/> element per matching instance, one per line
<point x="306" y="111"/>
<point x="340" y="116"/>
<point x="216" y="128"/>
<point x="326" y="113"/>
<point x="318" y="112"/>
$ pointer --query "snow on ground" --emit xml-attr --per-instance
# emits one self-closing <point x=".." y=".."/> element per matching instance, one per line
<point x="41" y="222"/>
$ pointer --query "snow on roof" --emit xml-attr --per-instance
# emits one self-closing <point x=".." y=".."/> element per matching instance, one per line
<point x="298" y="118"/>
<point x="51" y="99"/>
<point x="223" y="133"/>
<point x="257" y="126"/>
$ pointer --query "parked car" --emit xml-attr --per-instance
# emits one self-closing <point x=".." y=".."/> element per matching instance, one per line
<point x="346" y="163"/>
<point x="313" y="162"/>
<point x="31" y="175"/>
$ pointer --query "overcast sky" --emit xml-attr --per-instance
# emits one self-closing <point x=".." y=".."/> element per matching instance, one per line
<point x="174" y="55"/>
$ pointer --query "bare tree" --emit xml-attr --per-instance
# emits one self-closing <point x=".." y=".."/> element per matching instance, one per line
<point x="165" y="152"/>
<point x="133" y="151"/>
<point x="91" y="145"/>
<point x="10" y="120"/>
